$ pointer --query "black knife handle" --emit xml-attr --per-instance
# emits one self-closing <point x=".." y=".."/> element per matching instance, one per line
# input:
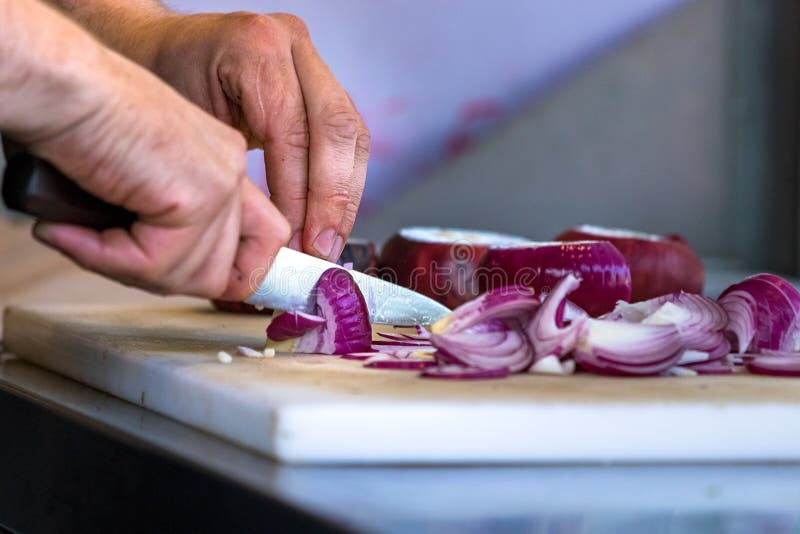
<point x="35" y="187"/>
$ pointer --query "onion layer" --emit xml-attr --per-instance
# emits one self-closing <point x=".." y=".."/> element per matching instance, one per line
<point x="765" y="312"/>
<point x="549" y="331"/>
<point x="346" y="327"/>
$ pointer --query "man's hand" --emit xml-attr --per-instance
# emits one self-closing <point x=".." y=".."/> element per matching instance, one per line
<point x="262" y="75"/>
<point x="126" y="137"/>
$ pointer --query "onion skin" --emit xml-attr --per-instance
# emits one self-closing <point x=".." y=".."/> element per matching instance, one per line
<point x="439" y="263"/>
<point x="658" y="264"/>
<point x="359" y="252"/>
<point x="604" y="274"/>
<point x="766" y="314"/>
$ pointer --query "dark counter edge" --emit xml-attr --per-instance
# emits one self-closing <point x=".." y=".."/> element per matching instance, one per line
<point x="64" y="473"/>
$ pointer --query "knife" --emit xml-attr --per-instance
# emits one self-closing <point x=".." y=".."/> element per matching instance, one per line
<point x="33" y="186"/>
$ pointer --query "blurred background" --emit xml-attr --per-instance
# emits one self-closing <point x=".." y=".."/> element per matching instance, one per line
<point x="666" y="116"/>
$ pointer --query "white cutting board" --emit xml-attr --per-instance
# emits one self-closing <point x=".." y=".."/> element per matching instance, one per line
<point x="322" y="409"/>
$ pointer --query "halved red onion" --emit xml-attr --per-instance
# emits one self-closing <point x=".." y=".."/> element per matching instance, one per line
<point x="621" y="348"/>
<point x="439" y="262"/>
<point x="699" y="320"/>
<point x="289" y="325"/>
<point x="498" y="303"/>
<point x="765" y="312"/>
<point x="605" y="277"/>
<point x="346" y="329"/>
<point x="550" y="333"/>
<point x="459" y="372"/>
<point x="659" y="264"/>
<point x="494" y="348"/>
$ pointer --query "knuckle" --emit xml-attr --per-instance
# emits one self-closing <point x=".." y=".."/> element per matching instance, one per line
<point x="255" y="27"/>
<point x="294" y="24"/>
<point x="340" y="123"/>
<point x="336" y="195"/>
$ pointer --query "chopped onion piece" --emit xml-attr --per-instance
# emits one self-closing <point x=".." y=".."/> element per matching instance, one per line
<point x="248" y="352"/>
<point x="459" y="372"/>
<point x="548" y="331"/>
<point x="224" y="357"/>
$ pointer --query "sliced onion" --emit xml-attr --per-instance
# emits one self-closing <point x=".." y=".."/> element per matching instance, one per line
<point x="605" y="277"/>
<point x="765" y="311"/>
<point x="784" y="365"/>
<point x="699" y="320"/>
<point x="346" y="328"/>
<point x="498" y="303"/>
<point x="292" y="324"/>
<point x="459" y="372"/>
<point x="550" y="333"/>
<point x="439" y="262"/>
<point x="716" y="367"/>
<point x="621" y="348"/>
<point x="659" y="264"/>
<point x="508" y="348"/>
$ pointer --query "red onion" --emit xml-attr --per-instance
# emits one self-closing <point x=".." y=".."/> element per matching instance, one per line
<point x="609" y="347"/>
<point x="346" y="329"/>
<point x="716" y="367"/>
<point x="459" y="372"/>
<point x="787" y="364"/>
<point x="659" y="264"/>
<point x="502" y="345"/>
<point x="439" y="262"/>
<point x="765" y="314"/>
<point x="699" y="319"/>
<point x="605" y="277"/>
<point x="502" y="302"/>
<point x="292" y="324"/>
<point x="549" y="331"/>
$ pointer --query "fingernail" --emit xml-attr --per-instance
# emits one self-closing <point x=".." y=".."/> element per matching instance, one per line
<point x="296" y="242"/>
<point x="324" y="243"/>
<point x="336" y="251"/>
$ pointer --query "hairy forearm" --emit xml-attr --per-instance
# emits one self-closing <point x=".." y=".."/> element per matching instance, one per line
<point x="131" y="27"/>
<point x="44" y="56"/>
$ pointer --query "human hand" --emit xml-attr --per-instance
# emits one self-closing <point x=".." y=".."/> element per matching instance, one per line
<point x="262" y="75"/>
<point x="127" y="138"/>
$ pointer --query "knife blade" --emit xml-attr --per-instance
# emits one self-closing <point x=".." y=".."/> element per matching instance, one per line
<point x="33" y="186"/>
<point x="289" y="285"/>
